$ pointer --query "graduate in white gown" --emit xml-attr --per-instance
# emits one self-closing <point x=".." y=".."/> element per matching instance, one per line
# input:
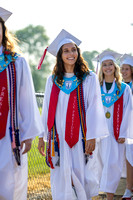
<point x="73" y="119"/>
<point x="126" y="66"/>
<point x="117" y="103"/>
<point x="20" y="120"/>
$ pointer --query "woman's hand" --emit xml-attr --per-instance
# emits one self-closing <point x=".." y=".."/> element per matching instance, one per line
<point x="90" y="146"/>
<point x="121" y="140"/>
<point x="27" y="145"/>
<point x="41" y="146"/>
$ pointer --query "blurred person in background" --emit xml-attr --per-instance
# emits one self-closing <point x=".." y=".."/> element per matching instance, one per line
<point x="19" y="116"/>
<point x="126" y="66"/>
<point x="117" y="103"/>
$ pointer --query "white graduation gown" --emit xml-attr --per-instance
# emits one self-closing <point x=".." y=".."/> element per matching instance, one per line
<point x="72" y="164"/>
<point x="13" y="178"/>
<point x="112" y="154"/>
<point x="129" y="151"/>
<point x="129" y="145"/>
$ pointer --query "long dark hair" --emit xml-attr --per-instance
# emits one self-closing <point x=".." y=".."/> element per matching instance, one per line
<point x="80" y="69"/>
<point x="131" y="71"/>
<point x="9" y="41"/>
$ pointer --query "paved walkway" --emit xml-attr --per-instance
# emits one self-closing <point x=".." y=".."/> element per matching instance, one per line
<point x="119" y="193"/>
<point x="121" y="187"/>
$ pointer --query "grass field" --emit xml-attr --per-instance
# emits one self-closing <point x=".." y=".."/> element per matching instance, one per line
<point x="36" y="162"/>
<point x="39" y="178"/>
<point x="38" y="175"/>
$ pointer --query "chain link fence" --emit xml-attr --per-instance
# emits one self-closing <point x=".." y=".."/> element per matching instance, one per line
<point x="38" y="172"/>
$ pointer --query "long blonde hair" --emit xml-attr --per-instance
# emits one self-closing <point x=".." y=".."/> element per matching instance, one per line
<point x="117" y="75"/>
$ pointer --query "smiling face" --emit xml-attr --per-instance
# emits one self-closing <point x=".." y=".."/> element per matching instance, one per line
<point x="69" y="56"/>
<point x="108" y="68"/>
<point x="126" y="72"/>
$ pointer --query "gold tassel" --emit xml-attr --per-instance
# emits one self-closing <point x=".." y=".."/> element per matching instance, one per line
<point x="53" y="153"/>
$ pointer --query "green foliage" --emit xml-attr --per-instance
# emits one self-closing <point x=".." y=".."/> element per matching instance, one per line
<point x="32" y="41"/>
<point x="32" y="38"/>
<point x="88" y="56"/>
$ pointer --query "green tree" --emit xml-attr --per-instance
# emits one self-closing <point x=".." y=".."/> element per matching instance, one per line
<point x="32" y="41"/>
<point x="88" y="56"/>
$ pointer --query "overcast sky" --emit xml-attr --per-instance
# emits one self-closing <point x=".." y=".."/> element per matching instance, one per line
<point x="100" y="24"/>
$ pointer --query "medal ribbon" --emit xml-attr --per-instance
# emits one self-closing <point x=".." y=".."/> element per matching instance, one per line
<point x="4" y="106"/>
<point x="117" y="116"/>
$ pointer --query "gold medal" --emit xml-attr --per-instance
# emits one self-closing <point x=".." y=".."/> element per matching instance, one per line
<point x="107" y="114"/>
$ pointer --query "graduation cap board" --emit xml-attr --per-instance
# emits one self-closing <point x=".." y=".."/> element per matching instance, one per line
<point x="4" y="14"/>
<point x="107" y="55"/>
<point x="126" y="59"/>
<point x="62" y="38"/>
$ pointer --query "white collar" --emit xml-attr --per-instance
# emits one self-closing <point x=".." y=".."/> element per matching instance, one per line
<point x="111" y="89"/>
<point x="69" y="75"/>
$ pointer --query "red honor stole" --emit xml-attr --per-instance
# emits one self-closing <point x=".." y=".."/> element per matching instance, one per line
<point x="117" y="116"/>
<point x="75" y="116"/>
<point x="52" y="106"/>
<point x="72" y="120"/>
<point x="4" y="106"/>
<point x="72" y="117"/>
<point x="50" y="122"/>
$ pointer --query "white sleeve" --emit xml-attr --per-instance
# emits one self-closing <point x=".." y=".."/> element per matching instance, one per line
<point x="95" y="117"/>
<point x="30" y="124"/>
<point x="126" y="129"/>
<point x="45" y="108"/>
